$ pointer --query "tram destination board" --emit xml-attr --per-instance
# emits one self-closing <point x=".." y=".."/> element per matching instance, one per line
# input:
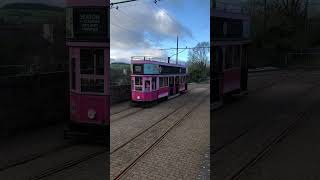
<point x="157" y="69"/>
<point x="87" y="24"/>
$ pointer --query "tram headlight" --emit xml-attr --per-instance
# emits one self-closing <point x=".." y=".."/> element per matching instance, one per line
<point x="92" y="114"/>
<point x="138" y="97"/>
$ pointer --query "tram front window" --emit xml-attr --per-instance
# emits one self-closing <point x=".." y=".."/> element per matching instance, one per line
<point x="86" y="62"/>
<point x="138" y="83"/>
<point x="92" y="69"/>
<point x="99" y="58"/>
<point x="92" y="85"/>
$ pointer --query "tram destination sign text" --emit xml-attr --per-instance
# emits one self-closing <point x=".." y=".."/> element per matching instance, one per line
<point x="90" y="24"/>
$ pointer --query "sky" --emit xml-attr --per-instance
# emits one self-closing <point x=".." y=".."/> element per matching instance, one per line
<point x="142" y="28"/>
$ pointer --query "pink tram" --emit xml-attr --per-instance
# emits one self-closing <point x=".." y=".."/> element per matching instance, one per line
<point x="89" y="49"/>
<point x="153" y="79"/>
<point x="230" y="32"/>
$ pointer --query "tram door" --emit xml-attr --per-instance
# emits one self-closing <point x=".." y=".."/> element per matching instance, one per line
<point x="217" y="74"/>
<point x="171" y="85"/>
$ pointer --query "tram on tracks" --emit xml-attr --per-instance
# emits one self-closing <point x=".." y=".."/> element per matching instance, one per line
<point x="87" y="39"/>
<point x="230" y="35"/>
<point x="154" y="79"/>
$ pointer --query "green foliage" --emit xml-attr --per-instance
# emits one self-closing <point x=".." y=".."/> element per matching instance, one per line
<point x="284" y="31"/>
<point x="120" y="74"/>
<point x="198" y="62"/>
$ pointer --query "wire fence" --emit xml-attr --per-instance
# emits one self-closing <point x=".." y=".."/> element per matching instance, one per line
<point x="306" y="59"/>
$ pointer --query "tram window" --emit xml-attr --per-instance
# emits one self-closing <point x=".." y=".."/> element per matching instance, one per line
<point x="177" y="79"/>
<point x="138" y="81"/>
<point x="92" y="85"/>
<point x="99" y="54"/>
<point x="73" y="73"/>
<point x="132" y="84"/>
<point x="161" y="81"/>
<point x="228" y="58"/>
<point x="147" y="85"/>
<point x="86" y="62"/>
<point x="87" y="85"/>
<point x="99" y="85"/>
<point x="165" y="81"/>
<point x="137" y="69"/>
<point x="171" y="80"/>
<point x="236" y="56"/>
<point x="138" y="88"/>
<point x="154" y="83"/>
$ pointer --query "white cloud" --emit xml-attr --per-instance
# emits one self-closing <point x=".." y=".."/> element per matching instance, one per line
<point x="140" y="28"/>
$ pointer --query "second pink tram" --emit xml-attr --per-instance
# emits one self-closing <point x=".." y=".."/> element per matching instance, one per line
<point x="153" y="79"/>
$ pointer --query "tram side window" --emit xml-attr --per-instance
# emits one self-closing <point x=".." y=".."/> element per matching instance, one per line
<point x="236" y="56"/>
<point x="228" y="58"/>
<point x="154" y="83"/>
<point x="166" y="81"/>
<point x="161" y="82"/>
<point x="177" y="79"/>
<point x="147" y="85"/>
<point x="73" y="73"/>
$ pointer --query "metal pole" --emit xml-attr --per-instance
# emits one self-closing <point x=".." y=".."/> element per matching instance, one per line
<point x="177" y="49"/>
<point x="306" y="22"/>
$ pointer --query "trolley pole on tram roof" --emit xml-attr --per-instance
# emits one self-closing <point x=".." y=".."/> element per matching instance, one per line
<point x="306" y="22"/>
<point x="264" y="19"/>
<point x="177" y="49"/>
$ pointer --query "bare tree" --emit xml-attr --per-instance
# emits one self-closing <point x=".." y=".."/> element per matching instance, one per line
<point x="198" y="60"/>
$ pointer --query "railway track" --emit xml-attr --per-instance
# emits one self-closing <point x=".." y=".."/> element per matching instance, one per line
<point x="215" y="151"/>
<point x="34" y="157"/>
<point x="284" y="133"/>
<point x="274" y="140"/>
<point x="69" y="164"/>
<point x="153" y="125"/>
<point x="138" y="109"/>
<point x="65" y="165"/>
<point x="158" y="140"/>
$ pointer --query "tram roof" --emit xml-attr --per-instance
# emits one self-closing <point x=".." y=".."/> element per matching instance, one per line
<point x="154" y="60"/>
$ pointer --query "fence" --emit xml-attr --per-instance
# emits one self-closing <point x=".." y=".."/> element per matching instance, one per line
<point x="303" y="59"/>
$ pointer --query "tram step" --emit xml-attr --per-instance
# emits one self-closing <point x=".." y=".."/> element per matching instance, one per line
<point x="173" y="96"/>
<point x="216" y="105"/>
